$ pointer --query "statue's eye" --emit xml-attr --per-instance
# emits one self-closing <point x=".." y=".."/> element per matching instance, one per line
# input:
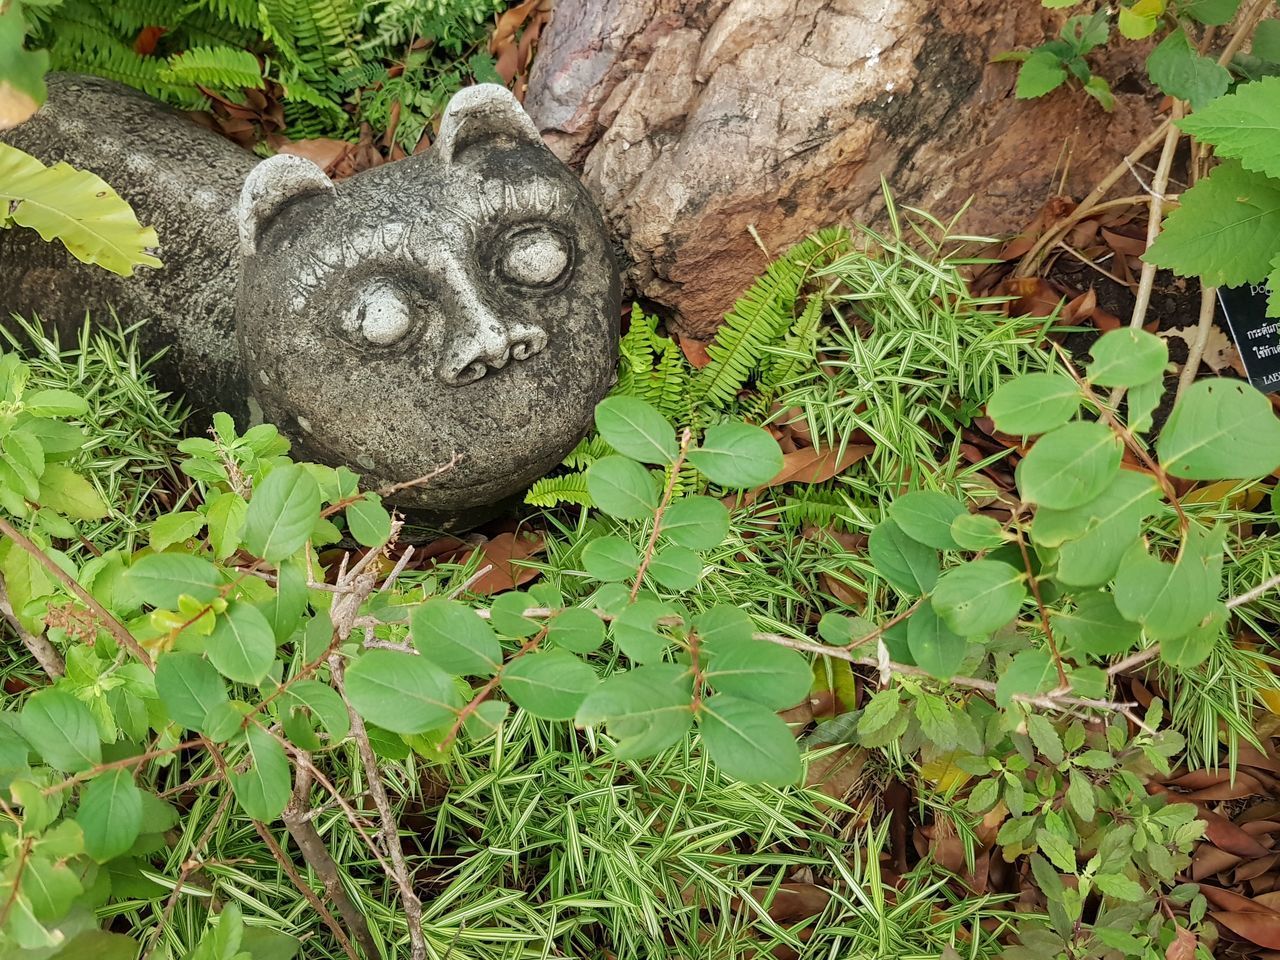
<point x="379" y="315"/>
<point x="534" y="257"/>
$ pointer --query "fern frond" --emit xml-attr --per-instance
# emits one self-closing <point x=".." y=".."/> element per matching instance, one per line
<point x="588" y="451"/>
<point x="760" y="318"/>
<point x="219" y="68"/>
<point x="325" y="35"/>
<point x="128" y="18"/>
<point x="553" y="491"/>
<point x="797" y="351"/>
<point x="653" y="368"/>
<point x="243" y="13"/>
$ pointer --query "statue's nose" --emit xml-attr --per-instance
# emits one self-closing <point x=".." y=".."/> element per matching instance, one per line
<point x="490" y="348"/>
<point x="482" y="340"/>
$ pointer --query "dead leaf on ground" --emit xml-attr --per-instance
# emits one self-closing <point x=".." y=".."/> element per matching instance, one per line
<point x="324" y="152"/>
<point x="1183" y="946"/>
<point x="503" y="552"/>
<point x="695" y="351"/>
<point x="1262" y="927"/>
<point x="1219" y="352"/>
<point x="811" y="465"/>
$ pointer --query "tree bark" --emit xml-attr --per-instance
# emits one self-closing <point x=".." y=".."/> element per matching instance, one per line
<point x="693" y="121"/>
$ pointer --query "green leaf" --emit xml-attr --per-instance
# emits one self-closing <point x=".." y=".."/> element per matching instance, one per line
<point x="1213" y="12"/>
<point x="758" y="670"/>
<point x="577" y="629"/>
<point x="49" y="887"/>
<point x="282" y="513"/>
<point x="368" y="521"/>
<point x="635" y="630"/>
<point x="1080" y="795"/>
<point x="1058" y="849"/>
<point x="1142" y="401"/>
<point x="486" y="719"/>
<point x="841" y="631"/>
<point x="76" y="207"/>
<point x="984" y="796"/>
<point x="61" y="729"/>
<point x="506" y="614"/>
<point x="1029" y="673"/>
<point x="610" y="559"/>
<point x="1194" y="647"/>
<point x="110" y="814"/>
<point x="977" y="531"/>
<point x="907" y="564"/>
<point x="225" y="516"/>
<point x="174" y="528"/>
<point x="881" y="710"/>
<point x="696" y="522"/>
<point x="676" y="568"/>
<point x="1266" y="41"/>
<point x="1225" y="229"/>
<point x="161" y="578"/>
<point x="1040" y="73"/>
<point x="1045" y="738"/>
<point x="1069" y="466"/>
<point x="926" y="516"/>
<point x="1120" y="887"/>
<point x="749" y="741"/>
<point x="189" y="687"/>
<point x="622" y="488"/>
<point x="261" y="943"/>
<point x="936" y="722"/>
<point x="64" y="490"/>
<point x="1127" y="357"/>
<point x="1176" y="68"/>
<point x="1095" y="536"/>
<point x="636" y="430"/>
<point x="264" y="789"/>
<point x="54" y="403"/>
<point x="1135" y="26"/>
<point x="323" y="703"/>
<point x="737" y="455"/>
<point x="242" y="645"/>
<point x="551" y="684"/>
<point x="980" y="596"/>
<point x="400" y="692"/>
<point x="1095" y="627"/>
<point x="1244" y="125"/>
<point x="646" y="709"/>
<point x="723" y="623"/>
<point x="99" y="945"/>
<point x="1098" y="88"/>
<point x="1220" y="430"/>
<point x="451" y="636"/>
<point x="1034" y="403"/>
<point x="934" y="646"/>
<point x="1172" y="599"/>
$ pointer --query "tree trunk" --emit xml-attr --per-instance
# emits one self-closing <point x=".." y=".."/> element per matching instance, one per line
<point x="693" y="121"/>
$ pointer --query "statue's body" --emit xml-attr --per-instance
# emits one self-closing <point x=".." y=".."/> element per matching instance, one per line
<point x="462" y="301"/>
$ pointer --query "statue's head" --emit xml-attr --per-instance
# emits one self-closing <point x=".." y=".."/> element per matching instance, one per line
<point x="461" y="301"/>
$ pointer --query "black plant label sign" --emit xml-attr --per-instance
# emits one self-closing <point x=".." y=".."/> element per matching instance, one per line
<point x="1256" y="335"/>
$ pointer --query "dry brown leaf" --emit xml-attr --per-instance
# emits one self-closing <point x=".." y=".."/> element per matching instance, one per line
<point x="1219" y="352"/>
<point x="811" y="465"/>
<point x="1208" y="860"/>
<point x="794" y="901"/>
<point x="324" y="152"/>
<point x="695" y="351"/>
<point x="1224" y="834"/>
<point x="1262" y="928"/>
<point x="502" y="552"/>
<point x="1183" y="946"/>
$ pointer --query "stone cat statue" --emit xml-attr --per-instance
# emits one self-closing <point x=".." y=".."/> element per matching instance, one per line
<point x="462" y="301"/>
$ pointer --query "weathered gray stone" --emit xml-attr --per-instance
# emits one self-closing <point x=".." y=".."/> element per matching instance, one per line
<point x="461" y="301"/>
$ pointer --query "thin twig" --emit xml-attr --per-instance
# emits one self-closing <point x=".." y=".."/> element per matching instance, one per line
<point x="685" y="438"/>
<point x="1063" y="682"/>
<point x="1243" y="31"/>
<point x="470" y="582"/>
<point x="1195" y="351"/>
<point x="37" y="645"/>
<point x="1249" y="596"/>
<point x="1133" y="660"/>
<point x="298" y="820"/>
<point x="1159" y="184"/>
<point x="393" y="488"/>
<point x="390" y="833"/>
<point x="113" y="626"/>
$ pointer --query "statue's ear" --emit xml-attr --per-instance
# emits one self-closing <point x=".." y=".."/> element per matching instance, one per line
<point x="485" y="111"/>
<point x="271" y="186"/>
